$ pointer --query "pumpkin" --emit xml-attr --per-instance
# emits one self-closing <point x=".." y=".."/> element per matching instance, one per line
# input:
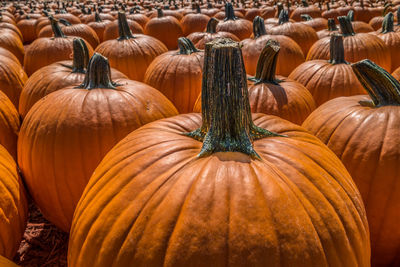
<point x="9" y="125"/>
<point x="57" y="76"/>
<point x="199" y="39"/>
<point x="316" y="23"/>
<point x="27" y="29"/>
<point x="167" y="29"/>
<point x="178" y="74"/>
<point x="79" y="30"/>
<point x="47" y="50"/>
<point x="227" y="194"/>
<point x="391" y="39"/>
<point x="328" y="79"/>
<point x="376" y="22"/>
<point x="6" y="263"/>
<point x="12" y="42"/>
<point x="241" y="28"/>
<point x="13" y="206"/>
<point x="138" y="51"/>
<point x="138" y="17"/>
<point x="194" y="22"/>
<point x="6" y="53"/>
<point x="10" y="26"/>
<point x="357" y="46"/>
<point x="303" y="35"/>
<point x="312" y="10"/>
<point x="99" y="26"/>
<point x="112" y="29"/>
<point x="363" y="133"/>
<point x="75" y="127"/>
<point x="359" y="26"/>
<point x="290" y="57"/>
<point x="328" y="32"/>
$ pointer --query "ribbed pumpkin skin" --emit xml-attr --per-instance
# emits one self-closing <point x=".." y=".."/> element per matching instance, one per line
<point x="153" y="202"/>
<point x="12" y="42"/>
<point x="178" y="77"/>
<point x="13" y="206"/>
<point x="199" y="39"/>
<point x="241" y="28"/>
<point x="392" y="41"/>
<point x="6" y="263"/>
<point x="12" y="79"/>
<point x="166" y="29"/>
<point x="356" y="48"/>
<point x="66" y="134"/>
<point x="366" y="140"/>
<point x="49" y="79"/>
<point x="326" y="81"/>
<point x="111" y="30"/>
<point x="45" y="51"/>
<point x="289" y="58"/>
<point x="9" y="125"/>
<point x="133" y="56"/>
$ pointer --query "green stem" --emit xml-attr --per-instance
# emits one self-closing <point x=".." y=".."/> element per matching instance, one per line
<point x="98" y="74"/>
<point x="125" y="32"/>
<point x="97" y="17"/>
<point x="64" y="22"/>
<point x="306" y="17"/>
<point x="345" y="26"/>
<point x="382" y="87"/>
<point x="212" y="25"/>
<point x="387" y="24"/>
<point x="198" y="10"/>
<point x="304" y="2"/>
<point x="283" y="17"/>
<point x="229" y="12"/>
<point x="81" y="56"/>
<point x="336" y="50"/>
<point x="227" y="123"/>
<point x="258" y="27"/>
<point x="350" y="15"/>
<point x="160" y="13"/>
<point x="280" y="8"/>
<point x="398" y="16"/>
<point x="332" y="25"/>
<point x="186" y="47"/>
<point x="266" y="65"/>
<point x="58" y="33"/>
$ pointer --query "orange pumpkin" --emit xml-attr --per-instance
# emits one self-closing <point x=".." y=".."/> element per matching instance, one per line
<point x="4" y="262"/>
<point x="312" y="10"/>
<point x="47" y="50"/>
<point x="13" y="206"/>
<point x="99" y="26"/>
<point x="194" y="22"/>
<point x="178" y="74"/>
<point x="316" y="23"/>
<point x="364" y="135"/>
<point x="239" y="27"/>
<point x="12" y="42"/>
<point x="391" y="40"/>
<point x="75" y="128"/>
<point x="138" y="51"/>
<point x="112" y="30"/>
<point x="167" y="29"/>
<point x="228" y="194"/>
<point x="290" y="57"/>
<point x="9" y="125"/>
<point x="328" y="32"/>
<point x="359" y="26"/>
<point x="199" y="39"/>
<point x="328" y="79"/>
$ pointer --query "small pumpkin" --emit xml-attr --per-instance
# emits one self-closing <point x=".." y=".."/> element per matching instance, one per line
<point x="196" y="22"/>
<point x="239" y="27"/>
<point x="391" y="40"/>
<point x="328" y="32"/>
<point x="99" y="26"/>
<point x="112" y="29"/>
<point x="312" y="10"/>
<point x="316" y="23"/>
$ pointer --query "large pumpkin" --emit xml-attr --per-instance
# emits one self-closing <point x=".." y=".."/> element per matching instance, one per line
<point x="66" y="134"/>
<point x="13" y="206"/>
<point x="228" y="194"/>
<point x="391" y="40"/>
<point x="177" y="74"/>
<point x="196" y="22"/>
<point x="364" y="135"/>
<point x="12" y="42"/>
<point x="290" y="57"/>
<point x="131" y="54"/>
<point x="328" y="79"/>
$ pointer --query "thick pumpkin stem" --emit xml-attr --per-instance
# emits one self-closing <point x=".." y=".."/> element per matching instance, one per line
<point x="58" y="33"/>
<point x="382" y="87"/>
<point x="336" y="50"/>
<point x="81" y="56"/>
<point x="304" y="2"/>
<point x="306" y="17"/>
<point x="229" y="12"/>
<point x="186" y="47"/>
<point x="97" y="17"/>
<point x="64" y="22"/>
<point x="283" y="17"/>
<point x="258" y="27"/>
<point x="350" y="15"/>
<point x="387" y="24"/>
<point x="212" y="25"/>
<point x="398" y="16"/>
<point x="123" y="27"/>
<point x="266" y="65"/>
<point x="332" y="25"/>
<point x="227" y="123"/>
<point x="345" y="26"/>
<point x="160" y="13"/>
<point x="98" y="74"/>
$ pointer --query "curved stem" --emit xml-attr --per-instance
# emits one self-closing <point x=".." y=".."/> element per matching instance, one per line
<point x="212" y="25"/>
<point x="64" y="22"/>
<point x="58" y="33"/>
<point x="382" y="87"/>
<point x="123" y="27"/>
<point x="229" y="12"/>
<point x="283" y="17"/>
<point x="258" y="27"/>
<point x="81" y="56"/>
<point x="345" y="26"/>
<point x="98" y="74"/>
<point x="97" y="17"/>
<point x="227" y="123"/>
<point x="332" y="25"/>
<point x="336" y="50"/>
<point x="186" y="47"/>
<point x="266" y="65"/>
<point x="350" y="15"/>
<point x="387" y="24"/>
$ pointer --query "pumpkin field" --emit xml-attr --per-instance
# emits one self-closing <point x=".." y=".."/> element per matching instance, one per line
<point x="193" y="133"/>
